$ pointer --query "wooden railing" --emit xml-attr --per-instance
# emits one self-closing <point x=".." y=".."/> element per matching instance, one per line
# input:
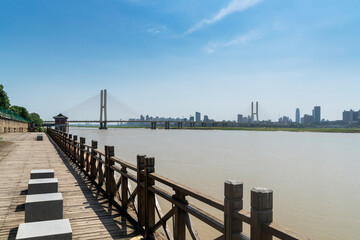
<point x="112" y="176"/>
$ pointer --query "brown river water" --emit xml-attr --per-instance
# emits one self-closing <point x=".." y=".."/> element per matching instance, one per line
<point x="315" y="176"/>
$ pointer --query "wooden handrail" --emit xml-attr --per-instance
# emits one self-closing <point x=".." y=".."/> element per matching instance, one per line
<point x="123" y="163"/>
<point x="127" y="175"/>
<point x="200" y="214"/>
<point x="99" y="152"/>
<point x="99" y="159"/>
<point x="188" y="191"/>
<point x="282" y="232"/>
<point x="242" y="215"/>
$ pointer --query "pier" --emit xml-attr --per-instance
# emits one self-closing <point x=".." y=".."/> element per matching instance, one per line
<point x="101" y="203"/>
<point x="86" y="208"/>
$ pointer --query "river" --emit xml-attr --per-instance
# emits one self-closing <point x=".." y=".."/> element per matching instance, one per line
<point x="315" y="176"/>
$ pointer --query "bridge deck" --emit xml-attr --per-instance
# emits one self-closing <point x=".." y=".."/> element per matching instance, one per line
<point x="86" y="208"/>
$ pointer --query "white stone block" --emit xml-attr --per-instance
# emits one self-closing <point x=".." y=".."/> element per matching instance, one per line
<point x="41" y="173"/>
<point x="42" y="207"/>
<point x="43" y="185"/>
<point x="45" y="230"/>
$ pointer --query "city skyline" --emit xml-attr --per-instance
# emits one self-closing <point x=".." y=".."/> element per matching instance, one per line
<point x="211" y="56"/>
<point x="348" y="117"/>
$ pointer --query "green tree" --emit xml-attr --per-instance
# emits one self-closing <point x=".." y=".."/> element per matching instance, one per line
<point x="4" y="99"/>
<point x="35" y="118"/>
<point x="21" y="111"/>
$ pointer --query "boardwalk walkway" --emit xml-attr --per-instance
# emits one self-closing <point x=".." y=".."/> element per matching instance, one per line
<point x="84" y="206"/>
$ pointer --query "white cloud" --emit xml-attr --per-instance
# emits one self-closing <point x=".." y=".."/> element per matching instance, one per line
<point x="157" y="30"/>
<point x="153" y="30"/>
<point x="243" y="39"/>
<point x="234" y="6"/>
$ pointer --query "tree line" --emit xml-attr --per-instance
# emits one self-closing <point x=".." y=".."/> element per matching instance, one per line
<point x="19" y="110"/>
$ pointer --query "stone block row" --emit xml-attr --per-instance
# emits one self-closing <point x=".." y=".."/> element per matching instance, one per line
<point x="44" y="209"/>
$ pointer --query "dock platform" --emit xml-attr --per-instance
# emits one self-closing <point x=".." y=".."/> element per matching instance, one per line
<point x="85" y="207"/>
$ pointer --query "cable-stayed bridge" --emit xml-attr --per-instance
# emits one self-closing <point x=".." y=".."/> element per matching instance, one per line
<point x="104" y="108"/>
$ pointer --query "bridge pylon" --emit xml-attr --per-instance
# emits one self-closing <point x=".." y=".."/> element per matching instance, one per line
<point x="256" y="113"/>
<point x="103" y="109"/>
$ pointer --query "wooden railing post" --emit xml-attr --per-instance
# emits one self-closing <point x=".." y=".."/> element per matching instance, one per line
<point x="62" y="140"/>
<point x="69" y="145"/>
<point x="180" y="225"/>
<point x="65" y="142"/>
<point x="74" y="148"/>
<point x="94" y="145"/>
<point x="141" y="191"/>
<point x="261" y="212"/>
<point x="124" y="189"/>
<point x="81" y="153"/>
<point x="233" y="201"/>
<point x="149" y="198"/>
<point x="110" y="179"/>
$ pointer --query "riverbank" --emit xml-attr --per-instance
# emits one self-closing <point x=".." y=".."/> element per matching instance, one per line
<point x="283" y="129"/>
<point x="272" y="129"/>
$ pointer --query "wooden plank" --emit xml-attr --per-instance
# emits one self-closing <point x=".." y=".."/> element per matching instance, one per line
<point x="84" y="206"/>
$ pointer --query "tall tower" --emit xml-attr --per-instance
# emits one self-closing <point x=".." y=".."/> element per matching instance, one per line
<point x="103" y="109"/>
<point x="253" y="114"/>
<point x="197" y="117"/>
<point x="317" y="114"/>
<point x="297" y="115"/>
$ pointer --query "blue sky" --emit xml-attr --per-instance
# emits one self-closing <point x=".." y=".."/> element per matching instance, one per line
<point x="172" y="58"/>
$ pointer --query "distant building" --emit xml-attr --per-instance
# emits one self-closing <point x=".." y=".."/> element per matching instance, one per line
<point x="297" y="115"/>
<point x="316" y="114"/>
<point x="142" y="118"/>
<point x="198" y="117"/>
<point x="307" y="119"/>
<point x="191" y="119"/>
<point x="61" y="123"/>
<point x="351" y="116"/>
<point x="247" y="119"/>
<point x="239" y="118"/>
<point x="206" y="118"/>
<point x="356" y="116"/>
<point x="285" y="120"/>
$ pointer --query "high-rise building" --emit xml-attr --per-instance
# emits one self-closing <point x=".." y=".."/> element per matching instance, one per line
<point x="284" y="120"/>
<point x="316" y="114"/>
<point x="197" y="117"/>
<point x="351" y="116"/>
<point x="191" y="119"/>
<point x="307" y="119"/>
<point x="297" y="115"/>
<point x="239" y="118"/>
<point x="206" y="118"/>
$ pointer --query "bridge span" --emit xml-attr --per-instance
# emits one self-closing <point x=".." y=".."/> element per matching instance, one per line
<point x="167" y="124"/>
<point x="92" y="105"/>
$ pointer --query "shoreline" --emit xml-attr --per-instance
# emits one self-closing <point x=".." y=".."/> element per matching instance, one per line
<point x="264" y="129"/>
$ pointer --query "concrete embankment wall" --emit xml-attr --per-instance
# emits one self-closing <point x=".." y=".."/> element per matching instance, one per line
<point x="8" y="125"/>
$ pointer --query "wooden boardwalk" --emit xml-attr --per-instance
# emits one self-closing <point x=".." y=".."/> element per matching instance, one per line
<point x="84" y="206"/>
